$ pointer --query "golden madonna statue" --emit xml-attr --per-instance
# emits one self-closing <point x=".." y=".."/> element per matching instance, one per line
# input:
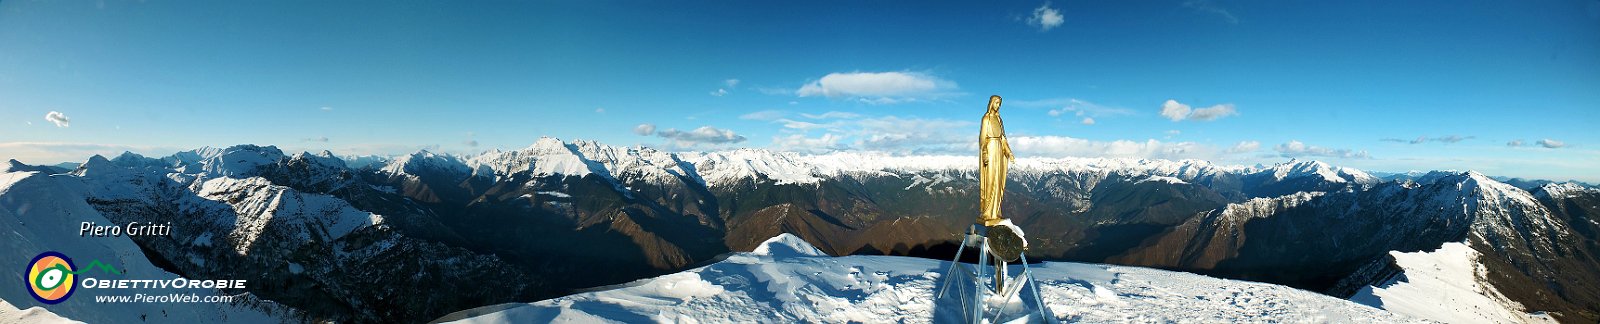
<point x="995" y="155"/>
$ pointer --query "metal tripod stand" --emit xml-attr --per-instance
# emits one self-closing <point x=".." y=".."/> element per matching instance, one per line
<point x="974" y="310"/>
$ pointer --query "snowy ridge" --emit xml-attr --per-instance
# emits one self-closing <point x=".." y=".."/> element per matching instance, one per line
<point x="1445" y="285"/>
<point x="1166" y="179"/>
<point x="1319" y="169"/>
<point x="238" y="160"/>
<point x="1237" y="214"/>
<point x="234" y="215"/>
<point x="422" y="161"/>
<point x="786" y="245"/>
<point x="740" y="164"/>
<point x="777" y="284"/>
<point x="553" y="157"/>
<point x="255" y="202"/>
<point x="547" y="156"/>
<point x="221" y="182"/>
<point x="9" y="314"/>
<point x="1502" y="211"/>
<point x="1564" y="190"/>
<point x="36" y="207"/>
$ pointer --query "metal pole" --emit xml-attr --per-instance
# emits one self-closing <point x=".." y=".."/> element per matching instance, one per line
<point x="983" y="260"/>
<point x="1038" y="299"/>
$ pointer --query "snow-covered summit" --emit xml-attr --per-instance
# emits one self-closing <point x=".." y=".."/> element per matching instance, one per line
<point x="233" y="161"/>
<point x="1564" y="190"/>
<point x="423" y="162"/>
<point x="786" y="245"/>
<point x="779" y="283"/>
<point x="36" y="208"/>
<point x="1319" y="169"/>
<point x="1443" y="285"/>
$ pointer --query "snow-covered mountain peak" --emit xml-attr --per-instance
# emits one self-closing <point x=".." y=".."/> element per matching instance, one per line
<point x="1475" y="182"/>
<point x="801" y="288"/>
<point x="324" y="159"/>
<point x="1262" y="207"/>
<point x="235" y="161"/>
<point x="35" y="208"/>
<point x="1323" y="170"/>
<point x="1563" y="190"/>
<point x="1444" y="285"/>
<point x="547" y="145"/>
<point x="363" y="161"/>
<point x="727" y="166"/>
<point x="423" y="161"/>
<point x="17" y="166"/>
<point x="786" y="245"/>
<point x="547" y="156"/>
<point x="97" y="165"/>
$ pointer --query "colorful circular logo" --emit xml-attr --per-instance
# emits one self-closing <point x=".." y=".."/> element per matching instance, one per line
<point x="50" y="277"/>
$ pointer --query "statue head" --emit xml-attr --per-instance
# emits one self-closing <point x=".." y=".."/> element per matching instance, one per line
<point x="994" y="103"/>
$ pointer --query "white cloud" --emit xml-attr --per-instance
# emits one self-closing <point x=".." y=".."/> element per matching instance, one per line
<point x="322" y="139"/>
<point x="727" y="84"/>
<point x="1453" y="138"/>
<point x="599" y="110"/>
<point x="878" y="87"/>
<point x="765" y="115"/>
<point x="909" y="135"/>
<point x="1447" y="139"/>
<point x="326" y="108"/>
<point x="704" y="135"/>
<point x="470" y="143"/>
<point x="48" y="153"/>
<point x="1206" y="6"/>
<point x="800" y="143"/>
<point x="1514" y="143"/>
<point x="775" y="91"/>
<point x="832" y="115"/>
<point x="1550" y="143"/>
<point x="884" y="100"/>
<point x="802" y="125"/>
<point x="1213" y="112"/>
<point x="1294" y="149"/>
<point x="1245" y="147"/>
<point x="1176" y="111"/>
<point x="1173" y="132"/>
<point x="912" y="135"/>
<point x="645" y="129"/>
<point x="1076" y="107"/>
<point x="58" y="118"/>
<point x="1088" y="120"/>
<point x="1062" y="146"/>
<point x="1045" y="18"/>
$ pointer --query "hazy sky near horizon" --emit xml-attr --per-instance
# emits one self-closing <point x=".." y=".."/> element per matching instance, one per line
<point x="1504" y="87"/>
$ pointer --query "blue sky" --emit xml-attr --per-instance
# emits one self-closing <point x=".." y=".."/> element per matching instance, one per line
<point x="1506" y="88"/>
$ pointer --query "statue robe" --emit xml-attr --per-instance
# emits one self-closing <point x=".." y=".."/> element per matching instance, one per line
<point x="995" y="155"/>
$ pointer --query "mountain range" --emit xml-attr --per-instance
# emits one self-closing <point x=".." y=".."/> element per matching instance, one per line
<point x="354" y="238"/>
